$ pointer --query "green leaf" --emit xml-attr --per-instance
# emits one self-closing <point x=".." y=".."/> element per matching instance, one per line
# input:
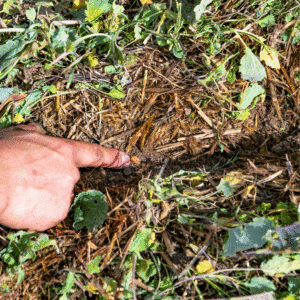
<point x="225" y="188"/>
<point x="112" y="70"/>
<point x="166" y="283"/>
<point x="267" y="21"/>
<point x="93" y="266"/>
<point x="117" y="94"/>
<point x="251" y="68"/>
<point x="247" y="237"/>
<point x="30" y="100"/>
<point x="31" y="14"/>
<point x="5" y="93"/>
<point x="90" y="210"/>
<point x="5" y="121"/>
<point x="294" y="32"/>
<point x="200" y="9"/>
<point x="66" y="289"/>
<point x="253" y="91"/>
<point x="44" y="3"/>
<point x="231" y="77"/>
<point x="50" y="88"/>
<point x="242" y="115"/>
<point x="260" y="285"/>
<point x="294" y="285"/>
<point x="21" y="275"/>
<point x="11" y="7"/>
<point x="110" y="285"/>
<point x="115" y="53"/>
<point x="141" y="241"/>
<point x="11" y="49"/>
<point x="137" y="32"/>
<point x="145" y="269"/>
<point x="96" y="8"/>
<point x="288" y="237"/>
<point x="281" y="264"/>
<point x="22" y="247"/>
<point x="63" y="37"/>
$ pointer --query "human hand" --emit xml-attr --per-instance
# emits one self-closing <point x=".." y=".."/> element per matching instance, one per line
<point x="38" y="174"/>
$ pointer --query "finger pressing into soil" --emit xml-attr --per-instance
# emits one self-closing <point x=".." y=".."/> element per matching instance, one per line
<point x="92" y="155"/>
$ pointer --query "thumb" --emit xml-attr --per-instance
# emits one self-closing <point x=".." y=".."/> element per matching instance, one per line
<point x="93" y="155"/>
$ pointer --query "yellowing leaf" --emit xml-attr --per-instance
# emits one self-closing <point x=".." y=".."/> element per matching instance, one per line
<point x="92" y="61"/>
<point x="270" y="57"/>
<point x="234" y="178"/>
<point x="166" y="210"/>
<point x="290" y="297"/>
<point x="91" y="288"/>
<point x="205" y="266"/>
<point x="78" y="4"/>
<point x="135" y="160"/>
<point x="248" y="190"/>
<point x="18" y="118"/>
<point x="152" y="239"/>
<point x="146" y="2"/>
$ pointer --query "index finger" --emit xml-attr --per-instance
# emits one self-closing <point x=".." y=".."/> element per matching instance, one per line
<point x="93" y="155"/>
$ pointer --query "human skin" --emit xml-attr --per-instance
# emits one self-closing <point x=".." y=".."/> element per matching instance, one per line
<point x="38" y="174"/>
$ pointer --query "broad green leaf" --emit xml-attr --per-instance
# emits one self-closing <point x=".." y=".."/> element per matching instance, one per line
<point x="21" y="275"/>
<point x="145" y="269"/>
<point x="200" y="9"/>
<point x="66" y="289"/>
<point x="251" y="68"/>
<point x="11" y="49"/>
<point x="5" y="121"/>
<point x="294" y="32"/>
<point x="25" y="107"/>
<point x="5" y="93"/>
<point x="112" y="70"/>
<point x="96" y="8"/>
<point x="11" y="7"/>
<point x="166" y="283"/>
<point x="266" y="21"/>
<point x="260" y="284"/>
<point x="281" y="264"/>
<point x="117" y="94"/>
<point x="294" y="285"/>
<point x="31" y="14"/>
<point x="142" y="241"/>
<point x="93" y="266"/>
<point x="50" y="88"/>
<point x="247" y="237"/>
<point x="90" y="210"/>
<point x="225" y="188"/>
<point x="137" y="32"/>
<point x="115" y="53"/>
<point x="22" y="247"/>
<point x="253" y="91"/>
<point x="284" y="237"/>
<point x="63" y="37"/>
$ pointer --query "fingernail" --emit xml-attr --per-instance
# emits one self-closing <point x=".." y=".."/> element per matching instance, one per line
<point x="125" y="160"/>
